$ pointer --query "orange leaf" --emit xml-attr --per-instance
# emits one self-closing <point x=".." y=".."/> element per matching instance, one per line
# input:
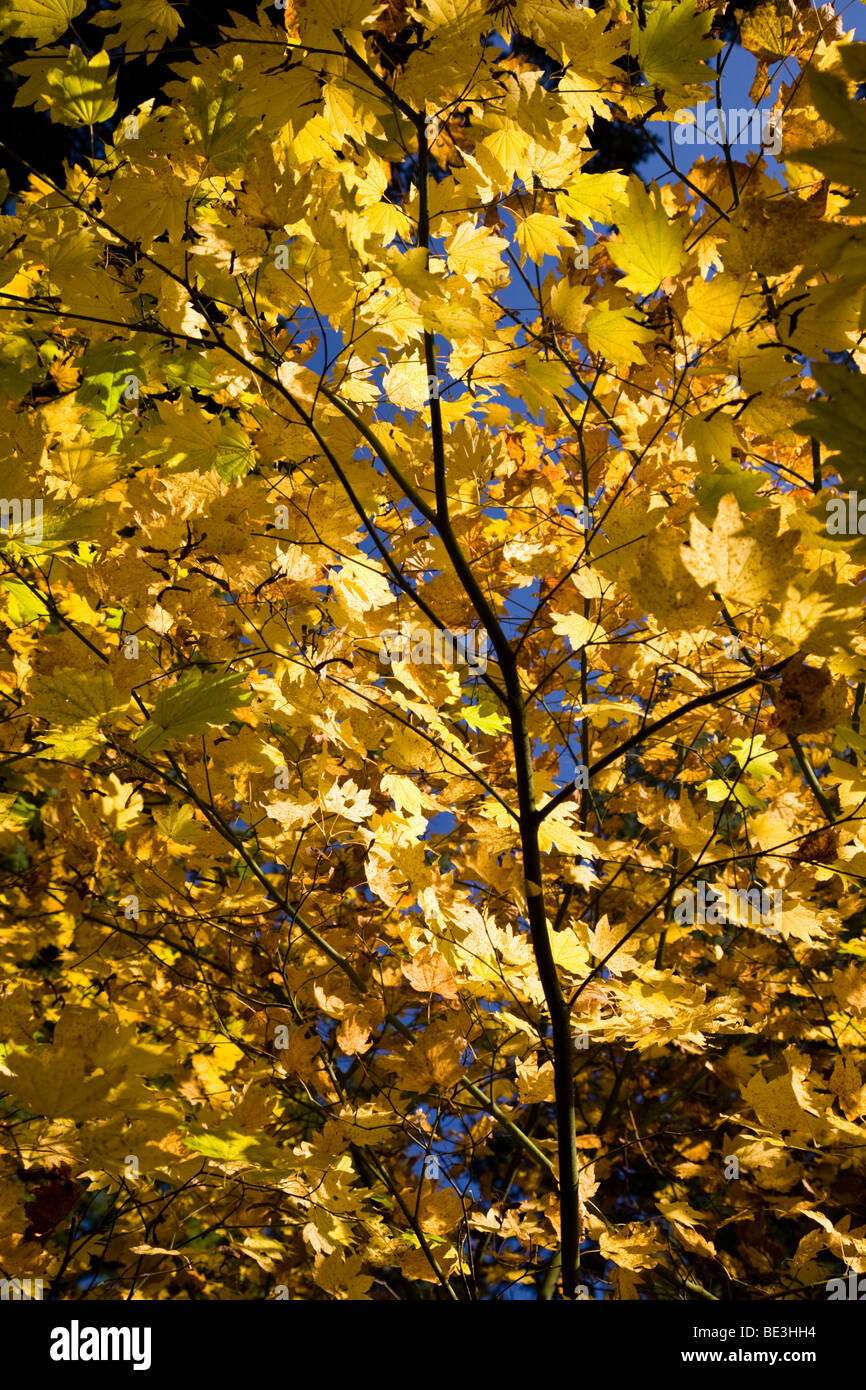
<point x="430" y="974"/>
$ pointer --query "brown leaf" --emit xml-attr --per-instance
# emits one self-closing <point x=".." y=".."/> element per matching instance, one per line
<point x="429" y="973"/>
<point x="807" y="699"/>
<point x="50" y="1203"/>
<point x="821" y="847"/>
<point x="353" y="1036"/>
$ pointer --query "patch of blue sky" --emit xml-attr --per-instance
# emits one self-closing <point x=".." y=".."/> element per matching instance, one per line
<point x="491" y="1006"/>
<point x="307" y="326"/>
<point x="443" y="823"/>
<point x="738" y="69"/>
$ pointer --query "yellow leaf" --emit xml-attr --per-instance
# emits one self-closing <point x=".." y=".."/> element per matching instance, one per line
<point x="594" y="198"/>
<point x="353" y="1036"/>
<point x="651" y="245"/>
<point x="634" y="1246"/>
<point x="615" y="334"/>
<point x="577" y="629"/>
<point x="386" y="221"/>
<point x="144" y="25"/>
<point x="429" y="974"/>
<point x="534" y="1083"/>
<point x="475" y="252"/>
<point x="568" y="953"/>
<point x="83" y="90"/>
<point x="745" y="562"/>
<point x="508" y="147"/>
<point x="567" y="304"/>
<point x="719" y="306"/>
<point x="681" y="1212"/>
<point x="42" y="20"/>
<point x="75" y="700"/>
<point x="360" y="585"/>
<point x="406" y="384"/>
<point x="673" y="45"/>
<point x="540" y="235"/>
<point x="122" y="806"/>
<point x="316" y="23"/>
<point x="178" y="824"/>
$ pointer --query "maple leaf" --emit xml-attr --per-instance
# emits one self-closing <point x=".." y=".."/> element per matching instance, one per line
<point x="199" y="701"/>
<point x="807" y="698"/>
<point x="42" y="20"/>
<point x="343" y="1278"/>
<point x="221" y="130"/>
<point x="673" y="46"/>
<point x="651" y="246"/>
<point x="616" y="334"/>
<point x="746" y="564"/>
<point x="83" y="91"/>
<point x="430" y="974"/>
<point x="577" y="629"/>
<point x="353" y="1037"/>
<point x="146" y="26"/>
<point x="484" y="717"/>
<point x="77" y="705"/>
<point x="475" y="252"/>
<point x="541" y="235"/>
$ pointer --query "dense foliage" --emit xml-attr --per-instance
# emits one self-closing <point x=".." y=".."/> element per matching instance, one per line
<point x="426" y="643"/>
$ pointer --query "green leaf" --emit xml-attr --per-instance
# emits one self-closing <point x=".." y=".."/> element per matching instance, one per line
<point x="84" y="92"/>
<point x="197" y="702"/>
<point x="42" y="20"/>
<point x="227" y="1148"/>
<point x="105" y="368"/>
<point x="484" y="717"/>
<point x="744" y="483"/>
<point x="673" y="47"/>
<point x="24" y="606"/>
<point x="234" y="454"/>
<point x="615" y="334"/>
<point x="230" y="1146"/>
<point x="221" y="133"/>
<point x="186" y="369"/>
<point x="754" y="758"/>
<point x="76" y="700"/>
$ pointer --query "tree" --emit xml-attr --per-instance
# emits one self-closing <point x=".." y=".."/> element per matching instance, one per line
<point x="432" y="744"/>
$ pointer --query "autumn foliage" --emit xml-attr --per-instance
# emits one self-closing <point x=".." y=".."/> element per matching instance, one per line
<point x="334" y="971"/>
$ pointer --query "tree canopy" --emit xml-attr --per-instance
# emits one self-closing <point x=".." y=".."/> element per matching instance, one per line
<point x="431" y="573"/>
